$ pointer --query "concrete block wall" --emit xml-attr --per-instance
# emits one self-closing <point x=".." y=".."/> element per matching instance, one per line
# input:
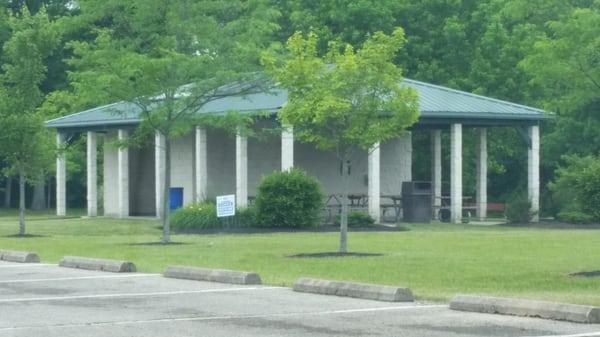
<point x="221" y="163"/>
<point x="264" y="157"/>
<point x="324" y="166"/>
<point x="110" y="185"/>
<point x="396" y="164"/>
<point x="141" y="181"/>
<point x="182" y="166"/>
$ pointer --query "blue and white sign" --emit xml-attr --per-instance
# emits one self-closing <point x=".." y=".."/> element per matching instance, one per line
<point x="225" y="205"/>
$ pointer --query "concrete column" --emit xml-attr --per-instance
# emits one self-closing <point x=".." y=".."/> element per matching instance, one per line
<point x="436" y="170"/>
<point x="482" y="170"/>
<point x="92" y="174"/>
<point x="456" y="201"/>
<point x="123" y="176"/>
<point x="201" y="165"/>
<point x="406" y="157"/>
<point x="374" y="175"/>
<point x="287" y="148"/>
<point x="533" y="169"/>
<point x="61" y="177"/>
<point x="241" y="171"/>
<point x="160" y="166"/>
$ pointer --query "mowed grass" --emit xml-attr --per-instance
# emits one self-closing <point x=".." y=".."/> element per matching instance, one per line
<point x="436" y="261"/>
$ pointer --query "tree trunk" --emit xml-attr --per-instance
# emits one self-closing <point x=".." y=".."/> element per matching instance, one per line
<point x="344" y="216"/>
<point x="166" y="195"/>
<point x="21" y="203"/>
<point x="39" y="196"/>
<point x="8" y="192"/>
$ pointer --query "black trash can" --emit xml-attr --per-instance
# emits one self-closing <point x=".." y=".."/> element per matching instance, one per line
<point x="416" y="201"/>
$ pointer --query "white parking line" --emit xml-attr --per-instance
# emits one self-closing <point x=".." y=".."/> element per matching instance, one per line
<point x="26" y="265"/>
<point x="77" y="278"/>
<point x="585" y="334"/>
<point x="161" y="293"/>
<point x="229" y="317"/>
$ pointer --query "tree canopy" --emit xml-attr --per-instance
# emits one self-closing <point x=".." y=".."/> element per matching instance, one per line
<point x="349" y="100"/>
<point x="540" y="53"/>
<point x="24" y="141"/>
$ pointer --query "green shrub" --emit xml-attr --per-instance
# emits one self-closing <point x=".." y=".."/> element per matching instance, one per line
<point x="203" y="216"/>
<point x="245" y="217"/>
<point x="575" y="217"/>
<point x="518" y="210"/>
<point x="289" y="199"/>
<point x="577" y="187"/>
<point x="357" y="219"/>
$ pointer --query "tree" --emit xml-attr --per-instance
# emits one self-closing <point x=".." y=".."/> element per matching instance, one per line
<point x="23" y="141"/>
<point x="346" y="101"/>
<point x="171" y="58"/>
<point x="572" y="48"/>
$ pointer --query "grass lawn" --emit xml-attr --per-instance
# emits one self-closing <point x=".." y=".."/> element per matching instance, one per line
<point x="436" y="261"/>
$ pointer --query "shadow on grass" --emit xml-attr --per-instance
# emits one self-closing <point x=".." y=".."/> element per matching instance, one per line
<point x="552" y="224"/>
<point x="157" y="243"/>
<point x="595" y="273"/>
<point x="25" y="236"/>
<point x="271" y="230"/>
<point x="333" y="254"/>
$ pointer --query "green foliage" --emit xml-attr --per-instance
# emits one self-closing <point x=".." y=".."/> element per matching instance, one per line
<point x="566" y="63"/>
<point x="357" y="219"/>
<point x="577" y="186"/>
<point x="575" y="217"/>
<point x="347" y="100"/>
<point x="25" y="146"/>
<point x="289" y="199"/>
<point x="526" y="51"/>
<point x="518" y="210"/>
<point x="350" y="100"/>
<point x="349" y="21"/>
<point x="24" y="143"/>
<point x="168" y="60"/>
<point x="203" y="216"/>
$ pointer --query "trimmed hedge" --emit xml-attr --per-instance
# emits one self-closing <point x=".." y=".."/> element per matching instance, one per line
<point x="203" y="216"/>
<point x="577" y="189"/>
<point x="518" y="210"/>
<point x="289" y="199"/>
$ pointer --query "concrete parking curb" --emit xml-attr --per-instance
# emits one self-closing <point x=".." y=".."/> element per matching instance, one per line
<point x="212" y="275"/>
<point x="518" y="307"/>
<point x="357" y="290"/>
<point x="18" y="256"/>
<point x="97" y="264"/>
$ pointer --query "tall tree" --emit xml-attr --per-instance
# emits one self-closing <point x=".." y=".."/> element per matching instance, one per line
<point x="347" y="101"/>
<point x="24" y="142"/>
<point x="169" y="59"/>
<point x="565" y="64"/>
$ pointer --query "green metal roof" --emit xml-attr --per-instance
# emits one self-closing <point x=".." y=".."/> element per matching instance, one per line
<point x="436" y="104"/>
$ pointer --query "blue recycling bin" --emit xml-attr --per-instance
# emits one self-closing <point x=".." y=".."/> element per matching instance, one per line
<point x="175" y="198"/>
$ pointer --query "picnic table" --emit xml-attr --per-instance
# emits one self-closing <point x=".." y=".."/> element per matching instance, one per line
<point x="333" y="204"/>
<point x="396" y="205"/>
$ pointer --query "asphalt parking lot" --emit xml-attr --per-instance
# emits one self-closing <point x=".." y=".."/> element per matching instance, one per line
<point x="47" y="300"/>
